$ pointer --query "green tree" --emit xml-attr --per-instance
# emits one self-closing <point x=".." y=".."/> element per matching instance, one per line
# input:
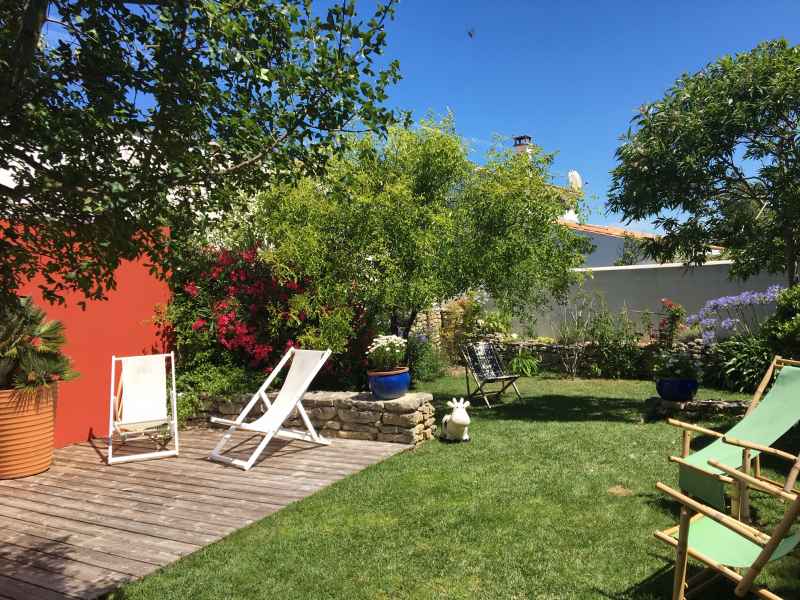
<point x="717" y="161"/>
<point x="400" y="224"/>
<point x="124" y="118"/>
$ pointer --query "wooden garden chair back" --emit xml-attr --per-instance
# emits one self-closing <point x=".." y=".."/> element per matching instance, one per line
<point x="726" y="545"/>
<point x="139" y="406"/>
<point x="305" y="364"/>
<point x="483" y="362"/>
<point x="769" y="416"/>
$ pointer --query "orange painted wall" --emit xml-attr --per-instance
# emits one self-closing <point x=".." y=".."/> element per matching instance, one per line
<point x="122" y="325"/>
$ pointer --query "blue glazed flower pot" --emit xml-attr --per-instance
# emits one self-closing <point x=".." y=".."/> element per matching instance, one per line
<point x="677" y="390"/>
<point x="388" y="385"/>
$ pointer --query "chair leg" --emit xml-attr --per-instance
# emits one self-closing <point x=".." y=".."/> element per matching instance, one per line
<point x="483" y="393"/>
<point x="682" y="556"/>
<point x="514" y="384"/>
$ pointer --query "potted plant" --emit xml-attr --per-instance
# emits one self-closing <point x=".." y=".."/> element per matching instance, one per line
<point x="388" y="377"/>
<point x="31" y="365"/>
<point x="677" y="373"/>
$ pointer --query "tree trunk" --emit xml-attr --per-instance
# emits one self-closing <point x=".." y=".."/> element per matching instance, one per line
<point x="410" y="322"/>
<point x="30" y="30"/>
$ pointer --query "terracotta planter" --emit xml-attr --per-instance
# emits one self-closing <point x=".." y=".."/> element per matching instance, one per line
<point x="26" y="432"/>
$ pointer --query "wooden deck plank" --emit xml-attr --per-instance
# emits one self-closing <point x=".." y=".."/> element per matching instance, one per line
<point x="83" y="527"/>
<point x="89" y="556"/>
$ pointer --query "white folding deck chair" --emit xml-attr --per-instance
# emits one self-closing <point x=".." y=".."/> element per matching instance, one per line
<point x="305" y="366"/>
<point x="138" y="404"/>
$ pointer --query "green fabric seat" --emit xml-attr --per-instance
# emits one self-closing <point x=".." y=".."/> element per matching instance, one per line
<point x="776" y="414"/>
<point x="729" y="548"/>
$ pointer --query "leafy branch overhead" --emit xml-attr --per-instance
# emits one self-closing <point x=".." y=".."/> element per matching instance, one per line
<point x="717" y="161"/>
<point x="119" y="119"/>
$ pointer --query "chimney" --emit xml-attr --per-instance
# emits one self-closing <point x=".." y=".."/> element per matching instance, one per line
<point x="522" y="143"/>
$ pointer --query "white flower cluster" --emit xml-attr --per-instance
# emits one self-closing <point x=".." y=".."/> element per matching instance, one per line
<point x="387" y="342"/>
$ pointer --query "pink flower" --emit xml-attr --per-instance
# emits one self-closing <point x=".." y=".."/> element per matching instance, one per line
<point x="191" y="289"/>
<point x="199" y="324"/>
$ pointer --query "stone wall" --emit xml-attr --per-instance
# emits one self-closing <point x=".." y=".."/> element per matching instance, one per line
<point x="429" y="324"/>
<point x="353" y="415"/>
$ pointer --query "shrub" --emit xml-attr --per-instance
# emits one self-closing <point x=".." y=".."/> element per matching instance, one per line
<point x="425" y="360"/>
<point x="596" y="342"/>
<point x="231" y="310"/>
<point x="525" y="364"/>
<point x="782" y="329"/>
<point x="210" y="378"/>
<point x="738" y="363"/>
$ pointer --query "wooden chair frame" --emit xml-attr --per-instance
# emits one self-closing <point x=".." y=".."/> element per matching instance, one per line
<point x="692" y="510"/>
<point x="507" y="380"/>
<point x="740" y="501"/>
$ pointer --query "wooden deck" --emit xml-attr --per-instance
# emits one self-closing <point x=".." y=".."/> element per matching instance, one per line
<point x="83" y="528"/>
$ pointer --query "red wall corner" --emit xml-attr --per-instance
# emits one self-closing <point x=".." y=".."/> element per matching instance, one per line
<point x="122" y="325"/>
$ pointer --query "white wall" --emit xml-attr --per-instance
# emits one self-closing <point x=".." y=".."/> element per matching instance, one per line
<point x="641" y="287"/>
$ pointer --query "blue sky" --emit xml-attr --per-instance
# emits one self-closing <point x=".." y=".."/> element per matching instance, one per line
<point x="570" y="74"/>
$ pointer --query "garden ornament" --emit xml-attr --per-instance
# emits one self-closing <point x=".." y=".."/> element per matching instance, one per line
<point x="455" y="425"/>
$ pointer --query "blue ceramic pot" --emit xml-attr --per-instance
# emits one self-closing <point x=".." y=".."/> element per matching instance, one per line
<point x="677" y="390"/>
<point x="388" y="385"/>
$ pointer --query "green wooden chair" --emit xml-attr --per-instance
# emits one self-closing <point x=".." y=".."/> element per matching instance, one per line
<point x="726" y="545"/>
<point x="768" y="417"/>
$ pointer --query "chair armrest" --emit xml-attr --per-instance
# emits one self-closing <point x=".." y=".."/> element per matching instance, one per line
<point x="754" y="482"/>
<point x="695" y="428"/>
<point x="758" y="447"/>
<point x="754" y="535"/>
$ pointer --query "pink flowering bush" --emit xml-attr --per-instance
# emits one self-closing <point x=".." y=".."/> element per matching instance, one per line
<point x="232" y="318"/>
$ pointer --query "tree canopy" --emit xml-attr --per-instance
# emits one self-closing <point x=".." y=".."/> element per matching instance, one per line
<point x="717" y="161"/>
<point x="118" y="119"/>
<point x="402" y="223"/>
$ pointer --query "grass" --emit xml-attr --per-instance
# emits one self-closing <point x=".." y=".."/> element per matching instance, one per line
<point x="553" y="499"/>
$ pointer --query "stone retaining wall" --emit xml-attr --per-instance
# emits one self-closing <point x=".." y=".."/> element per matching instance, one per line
<point x="410" y="419"/>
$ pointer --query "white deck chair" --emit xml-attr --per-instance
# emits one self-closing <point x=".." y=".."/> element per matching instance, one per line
<point x="305" y="366"/>
<point x="138" y="404"/>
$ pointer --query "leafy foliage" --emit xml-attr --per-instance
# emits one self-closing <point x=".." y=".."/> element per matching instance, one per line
<point x="595" y="342"/>
<point x="737" y="363"/>
<point x="782" y="329"/>
<point x="230" y="308"/>
<point x="132" y="117"/>
<point x="680" y="364"/>
<point x="409" y="222"/>
<point x="525" y="364"/>
<point x="30" y="349"/>
<point x="720" y="147"/>
<point x="425" y="360"/>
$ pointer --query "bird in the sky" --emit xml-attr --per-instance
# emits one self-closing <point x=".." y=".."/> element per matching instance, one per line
<point x="471" y="33"/>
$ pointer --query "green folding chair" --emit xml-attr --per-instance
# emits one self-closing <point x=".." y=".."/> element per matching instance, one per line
<point x="726" y="545"/>
<point x="766" y="420"/>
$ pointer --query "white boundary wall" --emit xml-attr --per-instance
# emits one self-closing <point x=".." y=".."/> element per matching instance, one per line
<point x="641" y="287"/>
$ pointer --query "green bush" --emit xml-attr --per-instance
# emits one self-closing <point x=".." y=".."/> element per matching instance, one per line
<point x="737" y="364"/>
<point x="597" y="342"/>
<point x="425" y="360"/>
<point x="212" y="376"/>
<point x="782" y="329"/>
<point x="525" y="364"/>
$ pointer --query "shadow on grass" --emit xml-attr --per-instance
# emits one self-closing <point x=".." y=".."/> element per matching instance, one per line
<point x="553" y="407"/>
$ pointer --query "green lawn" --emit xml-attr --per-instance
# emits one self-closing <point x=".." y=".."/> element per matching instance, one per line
<point x="553" y="498"/>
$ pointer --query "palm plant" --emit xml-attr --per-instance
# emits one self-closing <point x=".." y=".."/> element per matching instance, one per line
<point x="30" y="349"/>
